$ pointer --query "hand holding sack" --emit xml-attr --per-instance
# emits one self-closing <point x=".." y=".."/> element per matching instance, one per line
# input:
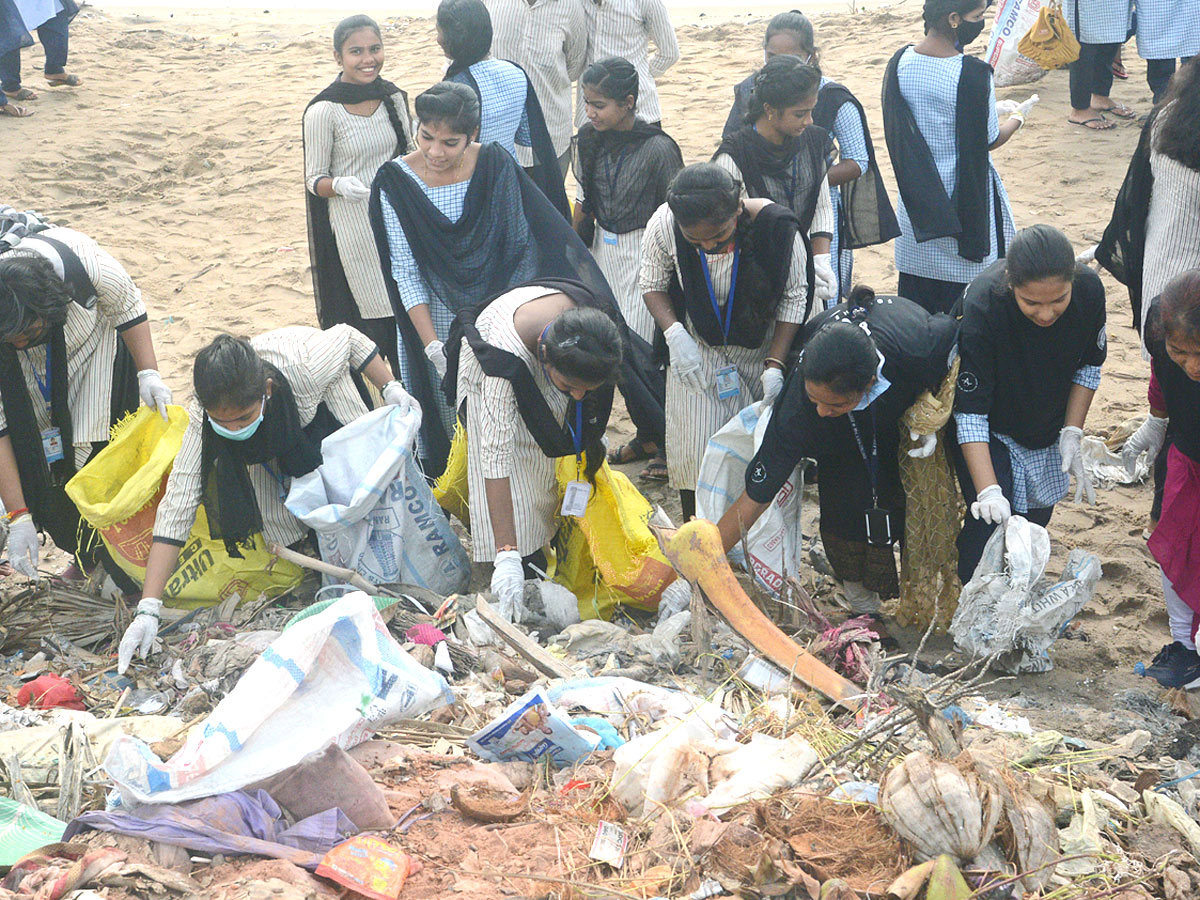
<point x="350" y="188"/>
<point x="772" y="383"/>
<point x="154" y="391"/>
<point x="1069" y="448"/>
<point x="685" y="357"/>
<point x="395" y="395"/>
<point x="926" y="444"/>
<point x="1149" y="437"/>
<point x="825" y="286"/>
<point x="24" y="548"/>
<point x="991" y="506"/>
<point x="139" y="636"/>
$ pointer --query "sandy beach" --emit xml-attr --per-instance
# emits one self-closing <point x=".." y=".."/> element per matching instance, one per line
<point x="181" y="155"/>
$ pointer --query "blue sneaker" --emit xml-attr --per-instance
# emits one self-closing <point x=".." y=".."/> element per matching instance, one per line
<point x="1175" y="666"/>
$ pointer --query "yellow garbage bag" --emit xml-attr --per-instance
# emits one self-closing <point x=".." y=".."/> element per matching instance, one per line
<point x="450" y="490"/>
<point x="1050" y="43"/>
<point x="118" y="493"/>
<point x="609" y="556"/>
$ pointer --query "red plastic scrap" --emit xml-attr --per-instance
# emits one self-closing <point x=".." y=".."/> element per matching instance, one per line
<point x="50" y="692"/>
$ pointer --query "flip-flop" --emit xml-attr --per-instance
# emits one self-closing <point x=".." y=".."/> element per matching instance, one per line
<point x="68" y="81"/>
<point x="1118" y="70"/>
<point x="1121" y="111"/>
<point x="1090" y="126"/>
<point x="21" y="94"/>
<point x="656" y="470"/>
<point x="14" y="111"/>
<point x="633" y="451"/>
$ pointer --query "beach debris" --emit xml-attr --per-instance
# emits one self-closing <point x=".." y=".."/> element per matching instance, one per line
<point x="368" y="866"/>
<point x="532" y="728"/>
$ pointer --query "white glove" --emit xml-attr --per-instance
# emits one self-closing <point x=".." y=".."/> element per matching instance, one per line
<point x="685" y="357"/>
<point x="1069" y="440"/>
<point x="351" y="188"/>
<point x="991" y="506"/>
<point x="508" y="584"/>
<point x="435" y="352"/>
<point x="1087" y="256"/>
<point x="154" y="391"/>
<point x="394" y="394"/>
<point x="825" y="291"/>
<point x="675" y="598"/>
<point x="772" y="383"/>
<point x="139" y="636"/>
<point x="1023" y="109"/>
<point x="927" y="444"/>
<point x="24" y="548"/>
<point x="1149" y="437"/>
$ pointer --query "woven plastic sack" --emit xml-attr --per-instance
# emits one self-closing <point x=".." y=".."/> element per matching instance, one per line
<point x="118" y="493"/>
<point x="1013" y="20"/>
<point x="450" y="490"/>
<point x="24" y="829"/>
<point x="774" y="541"/>
<point x="1050" y="43"/>
<point x="609" y="556"/>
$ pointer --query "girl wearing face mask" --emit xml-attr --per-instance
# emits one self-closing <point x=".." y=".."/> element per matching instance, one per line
<point x="939" y="119"/>
<point x="75" y="356"/>
<point x="780" y="155"/>
<point x="863" y="365"/>
<point x="724" y="279"/>
<point x="623" y="166"/>
<point x="1173" y="339"/>
<point x="456" y="223"/>
<point x="260" y="410"/>
<point x="351" y="128"/>
<point x="862" y="212"/>
<point x="534" y="372"/>
<point x="1032" y="342"/>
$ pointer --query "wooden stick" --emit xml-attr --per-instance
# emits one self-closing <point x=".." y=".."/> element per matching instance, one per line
<point x="522" y="643"/>
<point x="112" y="713"/>
<point x="349" y="576"/>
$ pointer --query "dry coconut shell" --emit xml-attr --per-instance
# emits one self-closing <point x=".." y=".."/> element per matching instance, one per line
<point x="1026" y="833"/>
<point x="939" y="807"/>
<point x="486" y="804"/>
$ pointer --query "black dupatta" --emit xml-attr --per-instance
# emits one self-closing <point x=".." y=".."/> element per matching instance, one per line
<point x="624" y="174"/>
<point x="791" y="174"/>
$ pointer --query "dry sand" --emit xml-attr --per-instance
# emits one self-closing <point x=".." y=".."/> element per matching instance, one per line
<point x="181" y="154"/>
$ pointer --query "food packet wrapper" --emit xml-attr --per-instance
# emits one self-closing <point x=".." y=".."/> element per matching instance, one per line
<point x="530" y="728"/>
<point x="368" y="866"/>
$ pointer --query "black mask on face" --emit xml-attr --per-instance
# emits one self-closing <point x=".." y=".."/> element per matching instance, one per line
<point x="967" y="32"/>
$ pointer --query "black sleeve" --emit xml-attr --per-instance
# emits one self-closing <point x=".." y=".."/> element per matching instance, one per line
<point x="784" y="443"/>
<point x="1096" y="349"/>
<point x="977" y="366"/>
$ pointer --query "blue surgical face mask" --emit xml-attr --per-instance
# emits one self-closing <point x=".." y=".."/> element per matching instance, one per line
<point x="241" y="434"/>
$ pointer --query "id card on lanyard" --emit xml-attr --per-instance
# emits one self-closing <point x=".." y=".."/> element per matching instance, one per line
<point x="52" y="443"/>
<point x="727" y="376"/>
<point x="878" y="520"/>
<point x="578" y="492"/>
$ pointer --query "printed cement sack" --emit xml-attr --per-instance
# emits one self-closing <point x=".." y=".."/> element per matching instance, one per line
<point x="1013" y="20"/>
<point x="1007" y="609"/>
<point x="335" y="677"/>
<point x="774" y="540"/>
<point x="372" y="509"/>
<point x="118" y="492"/>
<point x="609" y="555"/>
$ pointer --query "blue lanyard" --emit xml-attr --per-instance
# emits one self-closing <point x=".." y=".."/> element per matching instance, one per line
<point x="45" y="386"/>
<point x="611" y="178"/>
<point x="872" y="461"/>
<point x="725" y="321"/>
<point x="577" y="431"/>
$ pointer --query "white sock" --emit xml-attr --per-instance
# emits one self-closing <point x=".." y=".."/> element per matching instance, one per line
<point x="1180" y="615"/>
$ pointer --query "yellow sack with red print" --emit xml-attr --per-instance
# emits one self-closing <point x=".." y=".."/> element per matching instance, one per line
<point x="118" y="493"/>
<point x="609" y="556"/>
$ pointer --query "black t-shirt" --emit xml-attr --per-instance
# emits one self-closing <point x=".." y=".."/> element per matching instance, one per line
<point x="1182" y="395"/>
<point x="916" y="350"/>
<point x="1020" y="374"/>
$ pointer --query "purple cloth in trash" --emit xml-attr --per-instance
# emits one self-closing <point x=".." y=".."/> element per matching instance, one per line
<point x="241" y="822"/>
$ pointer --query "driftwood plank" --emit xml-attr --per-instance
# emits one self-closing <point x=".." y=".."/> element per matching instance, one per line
<point x="522" y="643"/>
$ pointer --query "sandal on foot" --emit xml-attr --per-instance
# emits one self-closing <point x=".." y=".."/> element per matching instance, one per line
<point x="1120" y="110"/>
<point x="21" y="94"/>
<point x="1118" y="70"/>
<point x="64" y="80"/>
<point x="633" y="451"/>
<point x="656" y="470"/>
<point x="1090" y="124"/>
<point x="17" y="112"/>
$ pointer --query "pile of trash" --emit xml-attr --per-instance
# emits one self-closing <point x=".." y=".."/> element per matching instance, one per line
<point x="400" y="744"/>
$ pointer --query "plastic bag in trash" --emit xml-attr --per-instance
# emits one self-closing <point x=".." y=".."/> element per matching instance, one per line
<point x="373" y="511"/>
<point x="1007" y="609"/>
<point x="530" y="728"/>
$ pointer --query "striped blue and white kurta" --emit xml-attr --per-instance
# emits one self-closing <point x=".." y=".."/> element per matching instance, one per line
<point x="449" y="199"/>
<point x="1101" y="21"/>
<point x="1168" y="29"/>
<point x="929" y="84"/>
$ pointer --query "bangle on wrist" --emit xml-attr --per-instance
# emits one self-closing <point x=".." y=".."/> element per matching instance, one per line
<point x="771" y="360"/>
<point x="17" y="513"/>
<point x="506" y="548"/>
